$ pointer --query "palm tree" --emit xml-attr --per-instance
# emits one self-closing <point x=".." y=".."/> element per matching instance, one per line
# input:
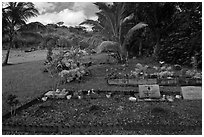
<point x="111" y="19"/>
<point x="14" y="15"/>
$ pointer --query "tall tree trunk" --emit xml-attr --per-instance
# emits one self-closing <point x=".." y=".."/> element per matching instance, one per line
<point x="8" y="51"/>
<point x="124" y="51"/>
<point x="157" y="46"/>
<point x="140" y="48"/>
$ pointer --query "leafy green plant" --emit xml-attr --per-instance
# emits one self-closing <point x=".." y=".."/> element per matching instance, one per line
<point x="111" y="19"/>
<point x="12" y="101"/>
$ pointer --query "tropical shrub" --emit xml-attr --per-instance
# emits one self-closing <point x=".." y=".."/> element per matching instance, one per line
<point x="67" y="65"/>
<point x="64" y="42"/>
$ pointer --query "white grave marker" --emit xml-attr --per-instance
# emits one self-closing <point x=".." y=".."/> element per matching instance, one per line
<point x="149" y="91"/>
<point x="191" y="92"/>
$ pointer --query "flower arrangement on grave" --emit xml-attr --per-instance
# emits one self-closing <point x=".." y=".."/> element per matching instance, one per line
<point x="67" y="65"/>
<point x="163" y="72"/>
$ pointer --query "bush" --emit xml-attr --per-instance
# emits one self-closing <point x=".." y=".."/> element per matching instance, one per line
<point x="66" y="64"/>
<point x="180" y="50"/>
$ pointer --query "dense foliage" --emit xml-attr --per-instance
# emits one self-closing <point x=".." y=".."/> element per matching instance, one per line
<point x="173" y="33"/>
<point x="186" y="41"/>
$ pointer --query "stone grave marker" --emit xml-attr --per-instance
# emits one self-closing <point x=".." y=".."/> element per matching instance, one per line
<point x="149" y="91"/>
<point x="191" y="92"/>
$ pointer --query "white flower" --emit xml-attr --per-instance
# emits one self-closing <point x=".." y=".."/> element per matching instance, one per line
<point x="198" y="75"/>
<point x="132" y="98"/>
<point x="163" y="68"/>
<point x="57" y="91"/>
<point x="161" y="62"/>
<point x="156" y="68"/>
<point x="67" y="64"/>
<point x="63" y="90"/>
<point x="108" y="95"/>
<point x="68" y="96"/>
<point x="178" y="96"/>
<point x="64" y="72"/>
<point x="169" y="68"/>
<point x="88" y="92"/>
<point x="44" y="99"/>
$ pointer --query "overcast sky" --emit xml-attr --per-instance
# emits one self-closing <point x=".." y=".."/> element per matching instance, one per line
<point x="71" y="13"/>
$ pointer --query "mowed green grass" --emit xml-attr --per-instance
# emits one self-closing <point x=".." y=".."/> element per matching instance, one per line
<point x="25" y="80"/>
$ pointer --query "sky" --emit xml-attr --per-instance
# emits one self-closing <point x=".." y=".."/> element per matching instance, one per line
<point x="71" y="13"/>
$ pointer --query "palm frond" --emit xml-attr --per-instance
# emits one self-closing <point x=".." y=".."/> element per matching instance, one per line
<point x="92" y="22"/>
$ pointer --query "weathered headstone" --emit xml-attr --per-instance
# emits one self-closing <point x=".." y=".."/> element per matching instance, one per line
<point x="149" y="91"/>
<point x="191" y="92"/>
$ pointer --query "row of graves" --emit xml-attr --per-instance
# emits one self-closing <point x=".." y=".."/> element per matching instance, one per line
<point x="147" y="87"/>
<point x="189" y="82"/>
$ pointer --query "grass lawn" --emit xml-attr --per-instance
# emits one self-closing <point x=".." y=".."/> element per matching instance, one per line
<point x="27" y="80"/>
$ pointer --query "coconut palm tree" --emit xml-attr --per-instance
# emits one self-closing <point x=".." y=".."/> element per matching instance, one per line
<point x="111" y="19"/>
<point x="14" y="15"/>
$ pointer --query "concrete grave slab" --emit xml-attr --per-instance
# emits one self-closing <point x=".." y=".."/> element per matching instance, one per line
<point x="149" y="91"/>
<point x="191" y="92"/>
<point x="53" y="94"/>
<point x="168" y="82"/>
<point x="118" y="81"/>
<point x="142" y="81"/>
<point x="134" y="82"/>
